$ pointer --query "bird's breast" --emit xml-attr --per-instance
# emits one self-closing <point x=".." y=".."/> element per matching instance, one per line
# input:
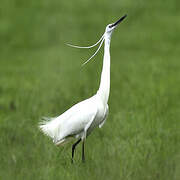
<point x="100" y="114"/>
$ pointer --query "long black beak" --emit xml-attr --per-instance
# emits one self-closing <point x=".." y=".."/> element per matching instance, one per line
<point x="117" y="22"/>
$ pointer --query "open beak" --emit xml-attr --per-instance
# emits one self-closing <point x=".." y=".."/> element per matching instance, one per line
<point x="117" y="22"/>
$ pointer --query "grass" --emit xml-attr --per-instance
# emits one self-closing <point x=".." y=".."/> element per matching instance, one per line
<point x="40" y="76"/>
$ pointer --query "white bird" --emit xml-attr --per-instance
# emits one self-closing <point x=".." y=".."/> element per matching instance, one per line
<point x="83" y="117"/>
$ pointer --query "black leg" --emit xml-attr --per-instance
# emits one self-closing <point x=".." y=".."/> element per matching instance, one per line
<point x="73" y="148"/>
<point x="83" y="154"/>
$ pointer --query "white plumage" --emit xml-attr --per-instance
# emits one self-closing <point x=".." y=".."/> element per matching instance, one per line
<point x="83" y="117"/>
<point x="76" y="121"/>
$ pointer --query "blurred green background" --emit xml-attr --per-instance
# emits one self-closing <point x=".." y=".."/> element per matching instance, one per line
<point x="41" y="76"/>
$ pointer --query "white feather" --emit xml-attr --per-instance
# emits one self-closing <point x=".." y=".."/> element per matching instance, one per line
<point x="74" y="121"/>
<point x="82" y="118"/>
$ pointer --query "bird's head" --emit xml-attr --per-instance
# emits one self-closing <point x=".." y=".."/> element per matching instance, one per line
<point x="110" y="27"/>
<point x="107" y="35"/>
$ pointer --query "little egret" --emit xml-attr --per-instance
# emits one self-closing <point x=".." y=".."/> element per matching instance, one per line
<point x="79" y="121"/>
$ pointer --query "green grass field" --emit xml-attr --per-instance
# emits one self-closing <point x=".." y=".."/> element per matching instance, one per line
<point x="40" y="76"/>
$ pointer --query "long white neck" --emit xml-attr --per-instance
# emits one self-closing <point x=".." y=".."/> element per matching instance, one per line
<point x="104" y="87"/>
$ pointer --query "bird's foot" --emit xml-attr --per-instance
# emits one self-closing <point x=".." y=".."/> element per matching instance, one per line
<point x="83" y="160"/>
<point x="72" y="161"/>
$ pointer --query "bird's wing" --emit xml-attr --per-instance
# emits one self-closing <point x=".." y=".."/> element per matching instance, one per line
<point x="78" y="118"/>
<point x="105" y="117"/>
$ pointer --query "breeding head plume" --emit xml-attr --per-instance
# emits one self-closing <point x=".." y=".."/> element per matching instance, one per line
<point x="108" y="31"/>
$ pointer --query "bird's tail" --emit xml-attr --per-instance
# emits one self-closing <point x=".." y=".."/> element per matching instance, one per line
<point x="50" y="127"/>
